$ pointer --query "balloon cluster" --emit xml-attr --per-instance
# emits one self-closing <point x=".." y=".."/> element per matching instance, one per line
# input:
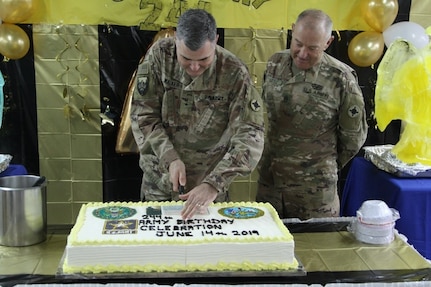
<point x="14" y="41"/>
<point x="366" y="48"/>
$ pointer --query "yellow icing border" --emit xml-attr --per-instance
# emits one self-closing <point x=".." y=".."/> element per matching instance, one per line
<point x="244" y="266"/>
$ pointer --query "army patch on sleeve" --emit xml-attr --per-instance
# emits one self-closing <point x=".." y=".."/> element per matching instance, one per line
<point x="142" y="85"/>
<point x="354" y="111"/>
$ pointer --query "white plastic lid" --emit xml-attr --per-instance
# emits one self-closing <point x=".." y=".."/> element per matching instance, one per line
<point x="376" y="212"/>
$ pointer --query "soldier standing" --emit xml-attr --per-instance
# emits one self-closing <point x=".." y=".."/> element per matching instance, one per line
<point x="317" y="122"/>
<point x="195" y="116"/>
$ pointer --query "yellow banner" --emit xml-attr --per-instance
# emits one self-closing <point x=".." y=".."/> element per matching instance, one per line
<point x="156" y="14"/>
<point x="420" y="13"/>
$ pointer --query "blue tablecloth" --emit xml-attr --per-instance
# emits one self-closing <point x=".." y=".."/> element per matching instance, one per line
<point x="410" y="196"/>
<point x="14" y="169"/>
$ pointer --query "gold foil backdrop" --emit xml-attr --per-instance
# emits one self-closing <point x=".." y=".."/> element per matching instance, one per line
<point x="68" y="105"/>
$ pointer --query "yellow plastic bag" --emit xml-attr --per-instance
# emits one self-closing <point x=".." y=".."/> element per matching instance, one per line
<point x="403" y="92"/>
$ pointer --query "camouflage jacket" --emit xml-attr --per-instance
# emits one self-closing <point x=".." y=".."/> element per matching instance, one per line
<point x="214" y="123"/>
<point x="317" y="121"/>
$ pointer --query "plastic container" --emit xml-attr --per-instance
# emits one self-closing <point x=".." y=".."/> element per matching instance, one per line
<point x="375" y="212"/>
<point x="22" y="210"/>
<point x="374" y="222"/>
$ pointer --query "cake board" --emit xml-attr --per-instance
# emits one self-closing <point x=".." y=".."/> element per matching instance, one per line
<point x="300" y="271"/>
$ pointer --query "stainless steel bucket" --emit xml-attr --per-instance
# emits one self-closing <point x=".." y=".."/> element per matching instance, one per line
<point x="22" y="210"/>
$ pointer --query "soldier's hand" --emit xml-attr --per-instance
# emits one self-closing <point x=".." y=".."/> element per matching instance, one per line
<point x="197" y="199"/>
<point x="177" y="174"/>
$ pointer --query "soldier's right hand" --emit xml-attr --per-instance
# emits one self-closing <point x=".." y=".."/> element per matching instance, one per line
<point x="177" y="174"/>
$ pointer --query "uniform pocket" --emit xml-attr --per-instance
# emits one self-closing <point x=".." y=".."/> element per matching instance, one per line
<point x="211" y="115"/>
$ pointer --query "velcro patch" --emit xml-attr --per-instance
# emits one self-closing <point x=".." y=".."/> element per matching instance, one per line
<point x="142" y="84"/>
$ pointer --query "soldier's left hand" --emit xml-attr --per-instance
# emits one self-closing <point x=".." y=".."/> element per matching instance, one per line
<point x="197" y="199"/>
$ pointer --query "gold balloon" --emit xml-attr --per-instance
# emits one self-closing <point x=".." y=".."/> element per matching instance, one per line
<point x="16" y="11"/>
<point x="164" y="33"/>
<point x="14" y="42"/>
<point x="379" y="14"/>
<point x="366" y="48"/>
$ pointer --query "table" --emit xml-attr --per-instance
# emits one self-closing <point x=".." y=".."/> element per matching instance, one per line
<point x="14" y="169"/>
<point x="328" y="252"/>
<point x="410" y="196"/>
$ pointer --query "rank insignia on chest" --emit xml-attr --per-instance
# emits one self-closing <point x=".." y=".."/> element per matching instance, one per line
<point x="353" y="111"/>
<point x="142" y="85"/>
<point x="255" y="106"/>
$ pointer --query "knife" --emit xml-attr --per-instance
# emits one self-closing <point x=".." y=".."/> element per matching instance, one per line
<point x="181" y="189"/>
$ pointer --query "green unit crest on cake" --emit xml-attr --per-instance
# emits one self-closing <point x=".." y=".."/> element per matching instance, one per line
<point x="241" y="212"/>
<point x="114" y="212"/>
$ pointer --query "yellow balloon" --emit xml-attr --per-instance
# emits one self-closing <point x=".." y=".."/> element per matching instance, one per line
<point x="379" y="14"/>
<point x="14" y="42"/>
<point x="16" y="11"/>
<point x="366" y="48"/>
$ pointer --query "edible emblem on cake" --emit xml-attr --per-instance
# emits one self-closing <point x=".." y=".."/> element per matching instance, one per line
<point x="128" y="226"/>
<point x="241" y="212"/>
<point x="114" y="212"/>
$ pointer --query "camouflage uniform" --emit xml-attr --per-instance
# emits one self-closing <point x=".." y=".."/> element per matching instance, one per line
<point x="213" y="123"/>
<point x="317" y="123"/>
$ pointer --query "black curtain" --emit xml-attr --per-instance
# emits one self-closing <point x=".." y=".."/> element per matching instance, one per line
<point x="18" y="134"/>
<point x="119" y="52"/>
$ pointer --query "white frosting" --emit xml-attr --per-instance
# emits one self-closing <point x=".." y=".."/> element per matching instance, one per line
<point x="210" y="241"/>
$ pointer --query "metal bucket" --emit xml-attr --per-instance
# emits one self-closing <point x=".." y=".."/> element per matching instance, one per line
<point x="22" y="210"/>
